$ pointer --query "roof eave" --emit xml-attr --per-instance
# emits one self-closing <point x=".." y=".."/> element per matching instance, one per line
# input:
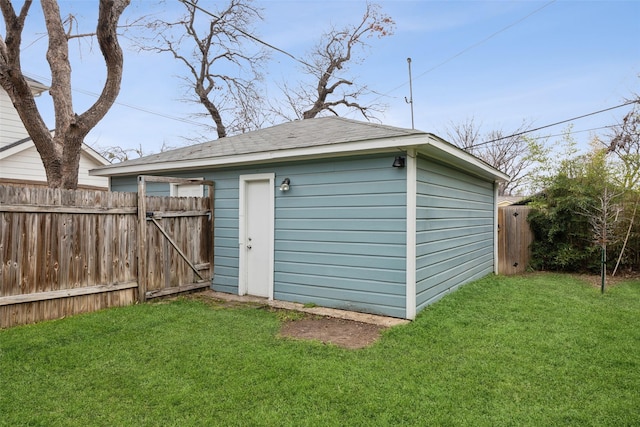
<point x="455" y="156"/>
<point x="323" y="151"/>
<point x="425" y="143"/>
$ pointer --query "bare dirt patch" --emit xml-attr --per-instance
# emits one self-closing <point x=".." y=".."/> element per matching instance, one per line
<point x="306" y="326"/>
<point x="329" y="330"/>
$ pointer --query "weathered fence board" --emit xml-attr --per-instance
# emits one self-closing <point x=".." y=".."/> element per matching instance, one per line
<point x="64" y="252"/>
<point x="514" y="239"/>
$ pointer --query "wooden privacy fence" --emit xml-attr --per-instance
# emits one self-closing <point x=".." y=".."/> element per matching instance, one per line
<point x="514" y="239"/>
<point x="64" y="252"/>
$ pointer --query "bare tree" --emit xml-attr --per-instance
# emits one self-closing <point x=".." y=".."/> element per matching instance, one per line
<point x="602" y="219"/>
<point x="465" y="135"/>
<point x="625" y="144"/>
<point x="222" y="71"/>
<point x="511" y="153"/>
<point x="328" y="62"/>
<point x="60" y="152"/>
<point x="117" y="154"/>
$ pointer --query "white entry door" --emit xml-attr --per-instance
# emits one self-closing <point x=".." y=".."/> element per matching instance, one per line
<point x="256" y="235"/>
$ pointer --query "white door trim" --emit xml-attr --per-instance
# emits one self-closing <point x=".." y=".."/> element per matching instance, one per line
<point x="242" y="227"/>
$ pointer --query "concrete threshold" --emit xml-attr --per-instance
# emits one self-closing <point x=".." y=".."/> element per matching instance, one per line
<point x="320" y="311"/>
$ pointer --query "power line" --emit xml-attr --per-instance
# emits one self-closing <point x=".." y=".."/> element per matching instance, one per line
<point x="555" y="124"/>
<point x="134" y="107"/>
<point x="473" y="46"/>
<point x="251" y="36"/>
<point x="486" y="39"/>
<point x="575" y="131"/>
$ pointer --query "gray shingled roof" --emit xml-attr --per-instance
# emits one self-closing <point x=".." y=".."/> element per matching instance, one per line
<point x="297" y="134"/>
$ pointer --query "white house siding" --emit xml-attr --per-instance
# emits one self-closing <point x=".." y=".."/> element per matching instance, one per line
<point x="454" y="230"/>
<point x="27" y="165"/>
<point x="86" y="164"/>
<point x="11" y="129"/>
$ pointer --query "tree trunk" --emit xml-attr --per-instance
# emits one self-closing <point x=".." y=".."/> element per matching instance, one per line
<point x="60" y="153"/>
<point x="213" y="111"/>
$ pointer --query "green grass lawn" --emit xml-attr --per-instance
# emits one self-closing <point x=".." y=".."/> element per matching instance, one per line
<point x="539" y="350"/>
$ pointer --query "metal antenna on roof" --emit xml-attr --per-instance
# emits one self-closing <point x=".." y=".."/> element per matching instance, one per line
<point x="410" y="100"/>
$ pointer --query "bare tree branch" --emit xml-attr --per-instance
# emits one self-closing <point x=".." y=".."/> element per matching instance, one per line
<point x="222" y="71"/>
<point x="625" y="144"/>
<point x="326" y="65"/>
<point x="510" y="155"/>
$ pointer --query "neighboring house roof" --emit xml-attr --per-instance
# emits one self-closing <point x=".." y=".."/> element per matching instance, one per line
<point x="25" y="143"/>
<point x="36" y="87"/>
<point x="20" y="161"/>
<point x="302" y="139"/>
<point x="508" y="200"/>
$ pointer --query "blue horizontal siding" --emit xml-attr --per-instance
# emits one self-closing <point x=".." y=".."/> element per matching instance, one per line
<point x="380" y="250"/>
<point x="316" y="296"/>
<point x="337" y="212"/>
<point x="454" y="231"/>
<point x="375" y="277"/>
<point x="340" y="235"/>
<point x="338" y="224"/>
<point x="442" y="224"/>
<point x="343" y="236"/>
<point x="445" y="283"/>
<point x="340" y="231"/>
<point x="442" y="239"/>
<point x="432" y="253"/>
<point x="130" y="184"/>
<point x="356" y="260"/>
<point x="124" y="184"/>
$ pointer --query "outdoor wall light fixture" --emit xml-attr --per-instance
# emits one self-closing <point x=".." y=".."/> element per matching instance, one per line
<point x="398" y="162"/>
<point x="285" y="184"/>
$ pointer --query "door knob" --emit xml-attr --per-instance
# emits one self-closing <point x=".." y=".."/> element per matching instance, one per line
<point x="248" y="246"/>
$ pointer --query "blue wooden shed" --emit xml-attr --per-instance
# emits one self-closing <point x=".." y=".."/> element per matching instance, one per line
<point x="340" y="213"/>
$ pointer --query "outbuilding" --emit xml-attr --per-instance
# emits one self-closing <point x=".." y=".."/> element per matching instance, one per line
<point x="338" y="213"/>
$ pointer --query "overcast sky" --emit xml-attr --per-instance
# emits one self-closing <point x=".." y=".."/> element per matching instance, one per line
<point x="498" y="62"/>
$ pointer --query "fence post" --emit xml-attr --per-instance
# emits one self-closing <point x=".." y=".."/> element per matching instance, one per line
<point x="142" y="240"/>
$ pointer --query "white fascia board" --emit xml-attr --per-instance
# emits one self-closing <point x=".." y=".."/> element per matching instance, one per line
<point x="426" y="143"/>
<point x="36" y="87"/>
<point x="324" y="151"/>
<point x="454" y="152"/>
<point x="86" y="149"/>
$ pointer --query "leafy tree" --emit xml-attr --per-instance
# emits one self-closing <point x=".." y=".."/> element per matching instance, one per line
<point x="60" y="151"/>
<point x="216" y="50"/>
<point x="329" y="88"/>
<point x="567" y="214"/>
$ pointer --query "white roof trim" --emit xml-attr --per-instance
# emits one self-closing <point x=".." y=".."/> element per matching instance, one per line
<point x="425" y="143"/>
<point x="89" y="151"/>
<point x="463" y="156"/>
<point x="18" y="148"/>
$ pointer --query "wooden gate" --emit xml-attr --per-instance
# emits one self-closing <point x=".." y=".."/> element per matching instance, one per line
<point x="177" y="238"/>
<point x="514" y="239"/>
<point x="64" y="252"/>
